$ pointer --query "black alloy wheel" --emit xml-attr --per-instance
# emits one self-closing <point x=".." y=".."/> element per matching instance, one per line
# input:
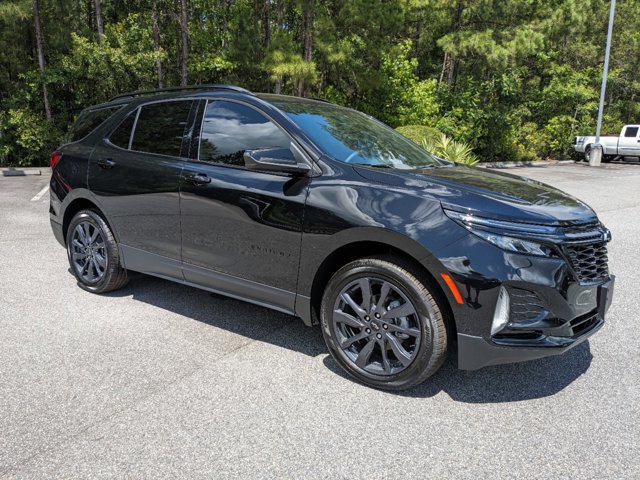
<point x="93" y="253"/>
<point x="382" y="324"/>
<point x="376" y="326"/>
<point x="88" y="252"/>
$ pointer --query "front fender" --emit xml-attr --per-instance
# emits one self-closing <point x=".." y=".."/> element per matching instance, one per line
<point x="343" y="208"/>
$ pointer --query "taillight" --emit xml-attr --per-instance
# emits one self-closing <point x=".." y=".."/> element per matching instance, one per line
<point x="54" y="159"/>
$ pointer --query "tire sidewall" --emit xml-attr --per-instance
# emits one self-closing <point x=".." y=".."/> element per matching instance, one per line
<point x="111" y="247"/>
<point x="426" y="316"/>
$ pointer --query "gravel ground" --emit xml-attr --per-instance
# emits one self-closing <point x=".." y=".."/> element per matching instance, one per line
<point x="161" y="380"/>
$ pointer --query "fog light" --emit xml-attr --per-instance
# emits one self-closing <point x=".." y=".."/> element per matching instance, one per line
<point x="501" y="314"/>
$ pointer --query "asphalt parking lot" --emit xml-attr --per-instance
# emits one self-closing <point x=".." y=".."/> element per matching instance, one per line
<point x="161" y="380"/>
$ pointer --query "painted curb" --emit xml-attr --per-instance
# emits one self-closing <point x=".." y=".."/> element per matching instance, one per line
<point x="20" y="172"/>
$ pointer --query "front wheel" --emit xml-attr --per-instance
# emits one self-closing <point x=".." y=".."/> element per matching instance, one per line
<point x="587" y="154"/>
<point x="93" y="253"/>
<point x="382" y="324"/>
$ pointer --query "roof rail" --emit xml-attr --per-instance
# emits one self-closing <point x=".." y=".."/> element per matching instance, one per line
<point x="232" y="88"/>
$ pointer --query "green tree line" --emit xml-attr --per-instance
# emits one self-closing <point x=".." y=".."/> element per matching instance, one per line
<point x="513" y="79"/>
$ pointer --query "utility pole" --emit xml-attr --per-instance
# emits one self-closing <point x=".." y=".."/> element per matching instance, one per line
<point x="596" y="152"/>
<point x="41" y="61"/>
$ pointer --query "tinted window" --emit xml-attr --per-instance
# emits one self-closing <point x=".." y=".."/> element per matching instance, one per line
<point x="228" y="129"/>
<point x="353" y="137"/>
<point x="122" y="134"/>
<point x="631" y="132"/>
<point x="88" y="122"/>
<point x="160" y="128"/>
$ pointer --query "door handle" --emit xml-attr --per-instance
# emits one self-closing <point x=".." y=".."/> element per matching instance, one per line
<point x="106" y="163"/>
<point x="198" y="178"/>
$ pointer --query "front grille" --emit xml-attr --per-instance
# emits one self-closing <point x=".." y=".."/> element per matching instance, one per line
<point x="589" y="261"/>
<point x="581" y="227"/>
<point x="583" y="231"/>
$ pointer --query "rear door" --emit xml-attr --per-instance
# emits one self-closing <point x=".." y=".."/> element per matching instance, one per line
<point x="135" y="174"/>
<point x="629" y="144"/>
<point x="241" y="229"/>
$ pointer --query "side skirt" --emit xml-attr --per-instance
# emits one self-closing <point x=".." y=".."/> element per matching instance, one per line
<point x="210" y="280"/>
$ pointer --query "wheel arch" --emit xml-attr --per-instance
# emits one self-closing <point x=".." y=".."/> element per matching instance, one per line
<point x="425" y="268"/>
<point x="76" y="205"/>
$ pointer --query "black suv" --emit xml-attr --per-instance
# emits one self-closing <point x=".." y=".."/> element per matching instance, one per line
<point x="325" y="213"/>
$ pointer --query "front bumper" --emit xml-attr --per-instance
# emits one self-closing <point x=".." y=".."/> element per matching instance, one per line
<point x="560" y="312"/>
<point x="475" y="352"/>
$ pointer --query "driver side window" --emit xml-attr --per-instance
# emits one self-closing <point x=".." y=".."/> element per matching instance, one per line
<point x="229" y="128"/>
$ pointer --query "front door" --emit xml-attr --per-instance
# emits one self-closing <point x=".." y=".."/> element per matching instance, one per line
<point x="629" y="143"/>
<point x="241" y="229"/>
<point x="135" y="174"/>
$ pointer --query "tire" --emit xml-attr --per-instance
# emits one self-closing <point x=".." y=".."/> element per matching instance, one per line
<point x="104" y="273"/>
<point x="341" y="323"/>
<point x="587" y="153"/>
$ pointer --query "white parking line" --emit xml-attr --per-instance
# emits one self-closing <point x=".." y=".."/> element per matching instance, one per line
<point x="40" y="194"/>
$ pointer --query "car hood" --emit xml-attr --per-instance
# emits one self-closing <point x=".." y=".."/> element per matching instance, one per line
<point x="488" y="193"/>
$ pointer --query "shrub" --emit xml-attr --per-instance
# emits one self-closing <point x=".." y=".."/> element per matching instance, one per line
<point x="420" y="133"/>
<point x="25" y="138"/>
<point x="436" y="142"/>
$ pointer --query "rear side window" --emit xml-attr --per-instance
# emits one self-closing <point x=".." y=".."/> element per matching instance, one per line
<point x="89" y="121"/>
<point x="121" y="135"/>
<point x="160" y="128"/>
<point x="228" y="129"/>
<point x="631" y="132"/>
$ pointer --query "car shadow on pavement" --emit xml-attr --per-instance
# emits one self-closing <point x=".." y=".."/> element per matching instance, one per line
<point x="496" y="384"/>
<point x="501" y="383"/>
<point x="235" y="316"/>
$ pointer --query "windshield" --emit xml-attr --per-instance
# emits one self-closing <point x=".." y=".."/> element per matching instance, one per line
<point x="353" y="137"/>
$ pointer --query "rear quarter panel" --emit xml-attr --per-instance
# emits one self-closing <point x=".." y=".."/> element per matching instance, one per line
<point x="68" y="177"/>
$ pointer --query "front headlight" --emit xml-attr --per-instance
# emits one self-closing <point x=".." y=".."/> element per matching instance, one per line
<point x="513" y="244"/>
<point x="497" y="232"/>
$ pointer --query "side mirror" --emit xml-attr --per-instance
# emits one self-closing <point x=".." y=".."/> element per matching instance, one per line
<point x="281" y="160"/>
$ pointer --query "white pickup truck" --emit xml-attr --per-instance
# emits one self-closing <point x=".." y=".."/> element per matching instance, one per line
<point x="626" y="145"/>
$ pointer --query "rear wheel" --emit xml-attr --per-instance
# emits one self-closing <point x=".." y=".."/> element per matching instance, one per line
<point x="382" y="324"/>
<point x="93" y="253"/>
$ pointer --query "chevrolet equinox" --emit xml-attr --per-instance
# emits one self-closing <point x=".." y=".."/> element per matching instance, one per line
<point x="325" y="213"/>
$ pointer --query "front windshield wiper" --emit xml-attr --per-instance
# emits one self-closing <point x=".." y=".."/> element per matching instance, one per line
<point x="422" y="167"/>
<point x="379" y="165"/>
